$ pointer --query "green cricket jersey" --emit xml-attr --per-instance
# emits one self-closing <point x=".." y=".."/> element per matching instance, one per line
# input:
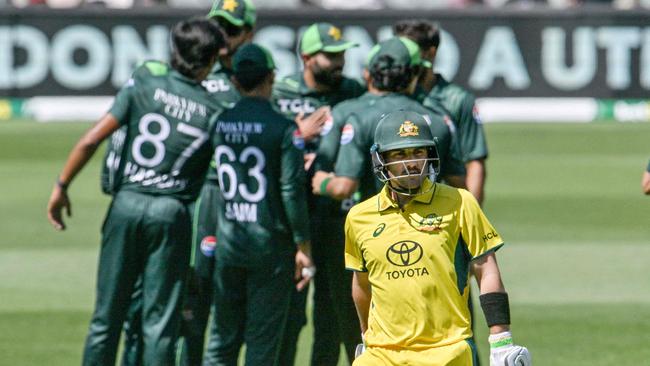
<point x="224" y="91"/>
<point x="167" y="117"/>
<point x="291" y="95"/>
<point x="218" y="84"/>
<point x="462" y="109"/>
<point x="259" y="159"/>
<point x="346" y="148"/>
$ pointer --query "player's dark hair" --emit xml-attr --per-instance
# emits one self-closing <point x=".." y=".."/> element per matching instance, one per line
<point x="421" y="31"/>
<point x="194" y="44"/>
<point x="251" y="78"/>
<point x="387" y="76"/>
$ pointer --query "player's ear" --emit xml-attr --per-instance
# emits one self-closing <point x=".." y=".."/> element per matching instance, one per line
<point x="305" y="58"/>
<point x="271" y="76"/>
<point x="249" y="34"/>
<point x="366" y="76"/>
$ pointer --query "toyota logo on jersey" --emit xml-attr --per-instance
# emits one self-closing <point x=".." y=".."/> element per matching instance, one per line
<point x="404" y="253"/>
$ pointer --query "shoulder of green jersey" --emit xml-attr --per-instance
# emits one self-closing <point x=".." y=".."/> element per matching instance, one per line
<point x="349" y="106"/>
<point x="287" y="84"/>
<point x="155" y="68"/>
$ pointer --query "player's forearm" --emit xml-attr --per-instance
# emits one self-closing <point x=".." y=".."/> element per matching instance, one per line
<point x="293" y="193"/>
<point x="79" y="156"/>
<point x="361" y="295"/>
<point x="295" y="206"/>
<point x="86" y="147"/>
<point x="488" y="277"/>
<point x="475" y="179"/>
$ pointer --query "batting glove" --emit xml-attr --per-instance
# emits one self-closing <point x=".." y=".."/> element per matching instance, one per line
<point x="503" y="352"/>
<point x="361" y="348"/>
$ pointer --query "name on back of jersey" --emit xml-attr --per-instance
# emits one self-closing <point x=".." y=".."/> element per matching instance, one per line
<point x="150" y="178"/>
<point x="237" y="132"/>
<point x="241" y="211"/>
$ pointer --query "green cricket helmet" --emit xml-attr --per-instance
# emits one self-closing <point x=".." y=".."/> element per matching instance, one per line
<point x="404" y="130"/>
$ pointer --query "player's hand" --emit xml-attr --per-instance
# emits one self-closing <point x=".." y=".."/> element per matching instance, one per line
<point x="305" y="269"/>
<point x="318" y="179"/>
<point x="503" y="352"/>
<point x="311" y="126"/>
<point x="58" y="201"/>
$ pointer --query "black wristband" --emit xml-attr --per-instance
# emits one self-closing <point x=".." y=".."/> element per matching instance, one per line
<point x="61" y="185"/>
<point x="496" y="308"/>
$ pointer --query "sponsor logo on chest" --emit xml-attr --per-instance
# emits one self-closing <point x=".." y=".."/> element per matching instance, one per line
<point x="297" y="106"/>
<point x="405" y="254"/>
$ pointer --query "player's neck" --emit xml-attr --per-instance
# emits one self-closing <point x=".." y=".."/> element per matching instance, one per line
<point x="373" y="90"/>
<point x="401" y="199"/>
<point x="427" y="80"/>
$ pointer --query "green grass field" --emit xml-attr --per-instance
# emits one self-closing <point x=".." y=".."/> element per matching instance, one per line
<point x="566" y="198"/>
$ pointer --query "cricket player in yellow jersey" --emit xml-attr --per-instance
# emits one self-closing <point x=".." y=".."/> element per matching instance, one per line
<point x="412" y="247"/>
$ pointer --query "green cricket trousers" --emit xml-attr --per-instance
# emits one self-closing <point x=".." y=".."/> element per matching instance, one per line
<point x="334" y="315"/>
<point x="199" y="291"/>
<point x="250" y="306"/>
<point x="143" y="236"/>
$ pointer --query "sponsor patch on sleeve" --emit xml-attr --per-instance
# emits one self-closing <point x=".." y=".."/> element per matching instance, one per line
<point x="347" y="134"/>
<point x="298" y="140"/>
<point x="327" y="127"/>
<point x="207" y="245"/>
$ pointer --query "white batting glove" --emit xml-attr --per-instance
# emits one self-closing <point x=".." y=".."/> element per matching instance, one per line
<point x="361" y="348"/>
<point x="503" y="352"/>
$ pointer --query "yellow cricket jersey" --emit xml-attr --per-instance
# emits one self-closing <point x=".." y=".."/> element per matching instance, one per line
<point x="417" y="259"/>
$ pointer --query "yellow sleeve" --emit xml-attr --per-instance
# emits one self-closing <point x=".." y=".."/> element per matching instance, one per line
<point x="353" y="257"/>
<point x="477" y="232"/>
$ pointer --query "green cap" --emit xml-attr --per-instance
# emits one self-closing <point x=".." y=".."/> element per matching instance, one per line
<point x="323" y="37"/>
<point x="401" y="130"/>
<point x="252" y="58"/>
<point x="237" y="12"/>
<point x="404" y="52"/>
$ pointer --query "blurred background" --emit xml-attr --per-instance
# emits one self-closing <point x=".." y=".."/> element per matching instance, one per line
<point x="563" y="91"/>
